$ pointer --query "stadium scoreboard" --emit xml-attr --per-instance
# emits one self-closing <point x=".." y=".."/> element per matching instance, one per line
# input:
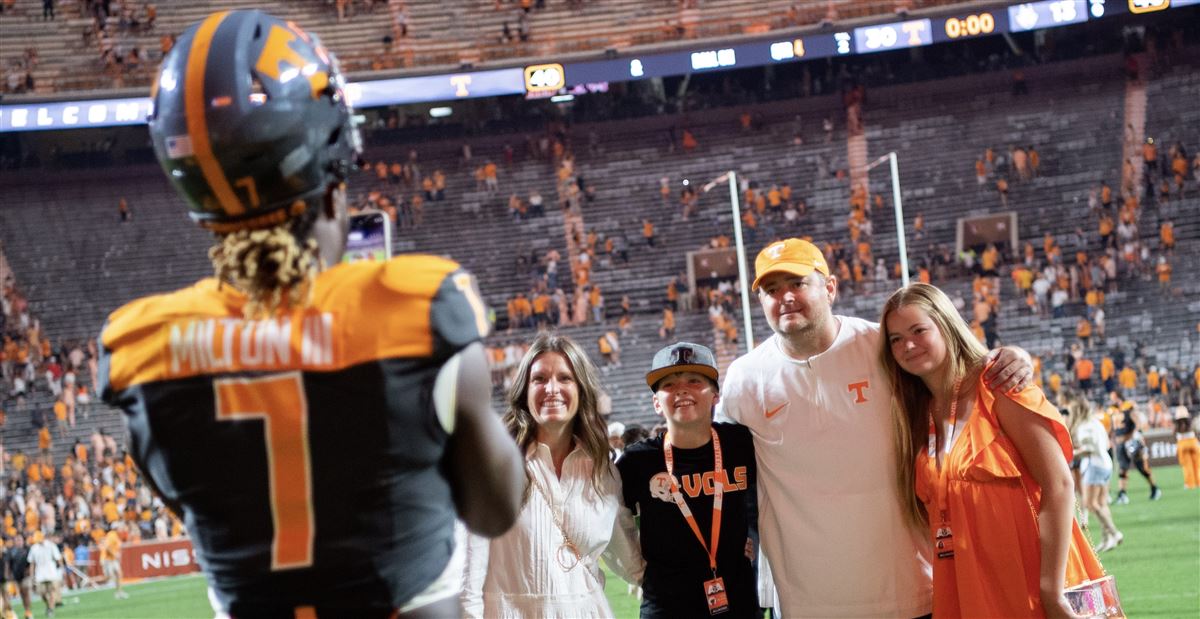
<point x="969" y="25"/>
<point x="899" y="35"/>
<point x="752" y="54"/>
<point x="543" y="77"/>
<point x="1046" y="14"/>
<point x="546" y="79"/>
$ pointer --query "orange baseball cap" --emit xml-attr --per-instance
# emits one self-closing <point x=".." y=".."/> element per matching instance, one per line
<point x="794" y="256"/>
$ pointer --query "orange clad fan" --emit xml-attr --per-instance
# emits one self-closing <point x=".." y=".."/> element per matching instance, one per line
<point x="990" y="470"/>
<point x="1187" y="447"/>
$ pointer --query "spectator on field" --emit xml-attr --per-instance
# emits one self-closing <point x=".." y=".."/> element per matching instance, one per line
<point x="547" y="565"/>
<point x="1092" y="448"/>
<point x="1018" y="426"/>
<point x="46" y="563"/>
<point x="110" y="559"/>
<point x="16" y="559"/>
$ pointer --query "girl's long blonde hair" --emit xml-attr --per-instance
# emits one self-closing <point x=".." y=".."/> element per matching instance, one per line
<point x="911" y="398"/>
<point x="1079" y="409"/>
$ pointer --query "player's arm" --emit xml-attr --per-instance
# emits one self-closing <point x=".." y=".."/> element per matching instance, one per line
<point x="486" y="471"/>
<point x="485" y="468"/>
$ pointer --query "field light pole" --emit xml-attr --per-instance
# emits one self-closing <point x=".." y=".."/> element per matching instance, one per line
<point x="899" y="210"/>
<point x="736" y="209"/>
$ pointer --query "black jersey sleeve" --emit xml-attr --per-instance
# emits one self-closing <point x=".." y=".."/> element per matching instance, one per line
<point x="458" y="315"/>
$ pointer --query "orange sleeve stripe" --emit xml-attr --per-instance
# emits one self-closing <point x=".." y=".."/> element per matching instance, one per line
<point x="197" y="121"/>
<point x="360" y="313"/>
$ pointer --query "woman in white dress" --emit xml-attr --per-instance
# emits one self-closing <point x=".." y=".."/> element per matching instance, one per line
<point x="546" y="566"/>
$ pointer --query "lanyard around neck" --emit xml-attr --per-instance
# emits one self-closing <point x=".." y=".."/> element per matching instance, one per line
<point x="944" y="466"/>
<point x="949" y="440"/>
<point x="718" y="495"/>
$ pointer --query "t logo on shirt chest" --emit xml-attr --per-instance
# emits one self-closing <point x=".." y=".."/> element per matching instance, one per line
<point x="859" y="389"/>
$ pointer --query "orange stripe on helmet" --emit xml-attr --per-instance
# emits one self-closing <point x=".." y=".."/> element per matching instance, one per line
<point x="197" y="120"/>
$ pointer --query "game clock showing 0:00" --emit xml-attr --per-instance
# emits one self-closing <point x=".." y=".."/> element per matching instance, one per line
<point x="971" y="25"/>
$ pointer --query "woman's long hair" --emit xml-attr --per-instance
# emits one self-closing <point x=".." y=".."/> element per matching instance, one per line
<point x="1079" y="409"/>
<point x="911" y="398"/>
<point x="588" y="427"/>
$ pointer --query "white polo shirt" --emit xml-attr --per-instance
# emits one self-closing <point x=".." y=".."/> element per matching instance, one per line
<point x="830" y="519"/>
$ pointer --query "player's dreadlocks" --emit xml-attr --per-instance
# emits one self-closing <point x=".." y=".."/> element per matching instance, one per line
<point x="275" y="266"/>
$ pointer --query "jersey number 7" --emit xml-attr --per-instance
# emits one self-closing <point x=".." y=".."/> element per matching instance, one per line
<point x="279" y="401"/>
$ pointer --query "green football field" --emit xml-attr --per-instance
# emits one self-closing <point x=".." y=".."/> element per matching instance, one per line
<point x="1157" y="567"/>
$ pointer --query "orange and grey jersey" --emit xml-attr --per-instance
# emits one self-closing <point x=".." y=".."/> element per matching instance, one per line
<point x="302" y="449"/>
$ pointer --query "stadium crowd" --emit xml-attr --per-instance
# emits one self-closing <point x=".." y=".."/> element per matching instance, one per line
<point x="94" y="499"/>
<point x="1055" y="276"/>
<point x="86" y="499"/>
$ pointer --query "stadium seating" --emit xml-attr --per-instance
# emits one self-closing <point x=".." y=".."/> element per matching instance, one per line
<point x="76" y="261"/>
<point x="442" y="35"/>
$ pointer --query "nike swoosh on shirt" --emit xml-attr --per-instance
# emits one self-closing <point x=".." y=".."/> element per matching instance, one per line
<point x="771" y="413"/>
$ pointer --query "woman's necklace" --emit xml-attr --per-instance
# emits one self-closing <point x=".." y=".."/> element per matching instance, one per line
<point x="567" y="556"/>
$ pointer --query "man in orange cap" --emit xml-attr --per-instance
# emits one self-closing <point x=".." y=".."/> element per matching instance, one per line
<point x="817" y="403"/>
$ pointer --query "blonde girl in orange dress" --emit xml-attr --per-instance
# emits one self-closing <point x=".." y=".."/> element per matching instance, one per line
<point x="987" y="473"/>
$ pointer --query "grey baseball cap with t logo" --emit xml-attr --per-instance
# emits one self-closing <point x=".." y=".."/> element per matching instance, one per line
<point x="682" y="357"/>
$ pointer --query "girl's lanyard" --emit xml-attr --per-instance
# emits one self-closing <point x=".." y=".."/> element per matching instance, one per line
<point x="714" y="590"/>
<point x="943" y="541"/>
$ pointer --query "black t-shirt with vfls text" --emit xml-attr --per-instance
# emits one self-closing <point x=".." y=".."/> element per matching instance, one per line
<point x="677" y="566"/>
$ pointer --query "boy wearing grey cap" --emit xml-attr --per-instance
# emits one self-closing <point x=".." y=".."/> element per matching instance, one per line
<point x="694" y="488"/>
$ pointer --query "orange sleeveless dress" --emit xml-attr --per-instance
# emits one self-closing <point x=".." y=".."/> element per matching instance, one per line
<point x="992" y="504"/>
